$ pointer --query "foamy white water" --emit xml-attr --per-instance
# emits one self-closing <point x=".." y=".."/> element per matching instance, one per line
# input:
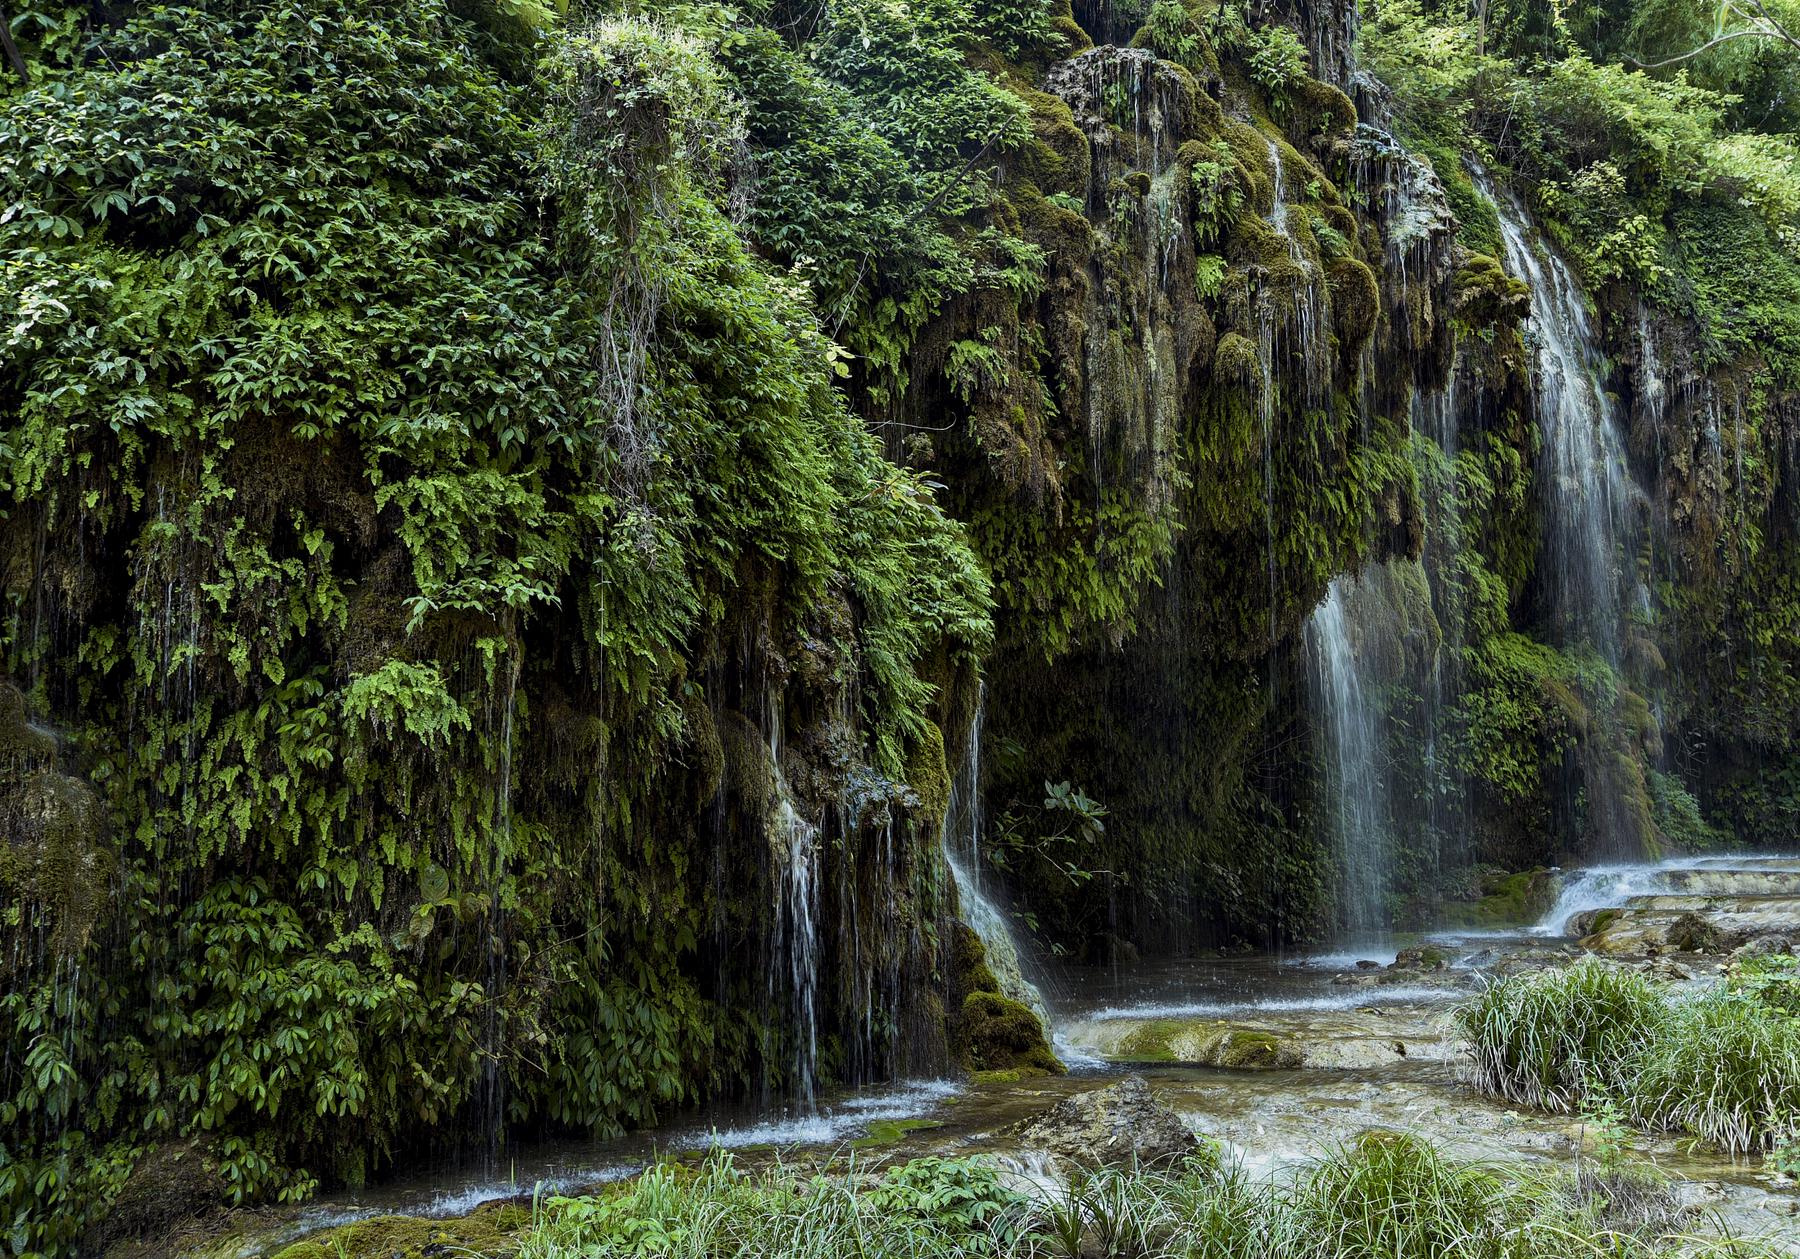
<point x="1343" y="999"/>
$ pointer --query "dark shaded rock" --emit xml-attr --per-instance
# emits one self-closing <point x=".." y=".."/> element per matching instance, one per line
<point x="1764" y="946"/>
<point x="1691" y="933"/>
<point x="170" y="1186"/>
<point x="1120" y="1124"/>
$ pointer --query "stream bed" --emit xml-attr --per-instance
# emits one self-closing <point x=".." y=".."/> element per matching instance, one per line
<point x="1277" y="1057"/>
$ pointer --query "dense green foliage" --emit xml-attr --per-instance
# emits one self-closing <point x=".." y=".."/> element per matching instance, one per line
<point x="506" y="509"/>
<point x="410" y="476"/>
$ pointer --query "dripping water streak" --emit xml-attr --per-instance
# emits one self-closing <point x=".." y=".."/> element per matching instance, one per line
<point x="1356" y="807"/>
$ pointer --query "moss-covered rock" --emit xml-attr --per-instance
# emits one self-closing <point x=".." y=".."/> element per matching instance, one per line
<point x="491" y="1231"/>
<point x="1355" y="303"/>
<point x="1202" y="1043"/>
<point x="996" y="1033"/>
<point x="1692" y="933"/>
<point x="1507" y="899"/>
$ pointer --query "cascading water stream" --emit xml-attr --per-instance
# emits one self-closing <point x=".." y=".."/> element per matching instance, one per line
<point x="1589" y="490"/>
<point x="1589" y="498"/>
<point x="797" y="938"/>
<point x="962" y="854"/>
<point x="794" y="976"/>
<point x="1356" y="795"/>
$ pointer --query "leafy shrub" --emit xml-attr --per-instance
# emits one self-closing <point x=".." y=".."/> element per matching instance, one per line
<point x="930" y="1207"/>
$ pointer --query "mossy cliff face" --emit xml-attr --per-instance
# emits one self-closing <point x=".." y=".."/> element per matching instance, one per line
<point x="1208" y="407"/>
<point x="462" y="659"/>
<point x="498" y="562"/>
<point x="1717" y="442"/>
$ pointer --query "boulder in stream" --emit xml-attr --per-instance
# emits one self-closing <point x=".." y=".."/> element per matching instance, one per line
<point x="1123" y="1123"/>
<point x="1767" y="945"/>
<point x="1691" y="933"/>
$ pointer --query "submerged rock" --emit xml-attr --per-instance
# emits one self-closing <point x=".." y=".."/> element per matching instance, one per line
<point x="1123" y="1123"/>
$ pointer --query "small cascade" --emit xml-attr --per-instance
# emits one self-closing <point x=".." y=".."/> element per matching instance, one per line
<point x="1291" y="328"/>
<point x="963" y="826"/>
<point x="1356" y="796"/>
<point x="795" y="843"/>
<point x="1301" y="332"/>
<point x="794" y="940"/>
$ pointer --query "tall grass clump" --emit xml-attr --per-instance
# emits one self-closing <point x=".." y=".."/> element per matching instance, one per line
<point x="1394" y="1195"/>
<point x="1551" y="1037"/>
<point x="1199" y="1210"/>
<point x="1726" y="1068"/>
<point x="1723" y="1065"/>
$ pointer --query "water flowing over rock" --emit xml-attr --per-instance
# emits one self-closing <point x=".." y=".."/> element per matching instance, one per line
<point x="1590" y="501"/>
<point x="1594" y="597"/>
<point x="993" y="1032"/>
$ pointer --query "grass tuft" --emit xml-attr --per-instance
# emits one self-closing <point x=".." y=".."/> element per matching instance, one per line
<point x="1723" y="1065"/>
<point x="1551" y="1037"/>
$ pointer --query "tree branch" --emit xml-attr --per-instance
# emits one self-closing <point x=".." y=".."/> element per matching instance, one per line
<point x="12" y="50"/>
<point x="1775" y="24"/>
<point x="1727" y="37"/>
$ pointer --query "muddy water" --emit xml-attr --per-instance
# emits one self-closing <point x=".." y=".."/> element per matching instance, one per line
<point x="1373" y="1044"/>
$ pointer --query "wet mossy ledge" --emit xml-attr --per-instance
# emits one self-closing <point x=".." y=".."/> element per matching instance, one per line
<point x="993" y="1035"/>
<point x="492" y="1231"/>
<point x="500" y="563"/>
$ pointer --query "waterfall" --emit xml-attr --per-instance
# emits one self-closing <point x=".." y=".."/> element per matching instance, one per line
<point x="794" y="972"/>
<point x="796" y="847"/>
<point x="1355" y="789"/>
<point x="1590" y="541"/>
<point x="963" y="825"/>
<point x="1589" y="492"/>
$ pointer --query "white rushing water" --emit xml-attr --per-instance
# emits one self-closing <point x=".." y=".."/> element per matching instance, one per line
<point x="1355" y="788"/>
<point x="1614" y="886"/>
<point x="1342" y="998"/>
<point x="1589" y="494"/>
